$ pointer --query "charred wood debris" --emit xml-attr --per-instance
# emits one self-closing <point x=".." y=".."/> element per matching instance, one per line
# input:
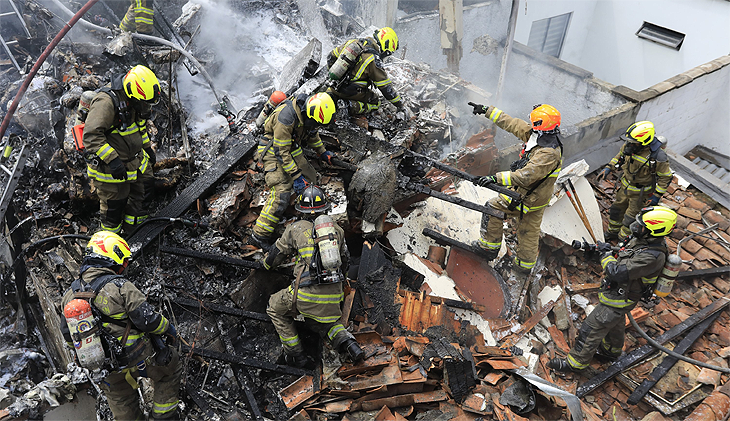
<point x="426" y="358"/>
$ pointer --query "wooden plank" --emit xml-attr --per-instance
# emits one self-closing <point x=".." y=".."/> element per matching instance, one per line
<point x="528" y="325"/>
<point x="406" y="400"/>
<point x="347" y="308"/>
<point x="568" y="307"/>
<point x="582" y="288"/>
<point x="372" y="363"/>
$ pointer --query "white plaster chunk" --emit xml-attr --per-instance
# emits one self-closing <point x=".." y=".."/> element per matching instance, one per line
<point x="562" y="221"/>
<point x="583" y="303"/>
<point x="542" y="334"/>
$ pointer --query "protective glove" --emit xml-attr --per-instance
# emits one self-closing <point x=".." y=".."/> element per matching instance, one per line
<point x="151" y="154"/>
<point x="300" y="184"/>
<point x="118" y="169"/>
<point x="604" y="173"/>
<point x="603" y="248"/>
<point x="486" y="180"/>
<point x="327" y="157"/>
<point x="478" y="108"/>
<point x="654" y="199"/>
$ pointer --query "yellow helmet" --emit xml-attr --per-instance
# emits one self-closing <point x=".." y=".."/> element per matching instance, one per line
<point x="388" y="40"/>
<point x="641" y="132"/>
<point x="109" y="246"/>
<point x="320" y="107"/>
<point x="658" y="220"/>
<point x="141" y="83"/>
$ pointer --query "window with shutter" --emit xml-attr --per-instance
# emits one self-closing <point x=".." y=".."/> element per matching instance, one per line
<point x="548" y="35"/>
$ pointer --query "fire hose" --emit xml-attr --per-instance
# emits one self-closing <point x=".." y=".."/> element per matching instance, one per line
<point x="668" y="351"/>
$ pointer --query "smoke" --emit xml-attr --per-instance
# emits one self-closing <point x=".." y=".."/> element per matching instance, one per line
<point x="242" y="50"/>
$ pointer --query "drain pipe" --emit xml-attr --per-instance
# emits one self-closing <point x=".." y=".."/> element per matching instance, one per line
<point x="67" y="27"/>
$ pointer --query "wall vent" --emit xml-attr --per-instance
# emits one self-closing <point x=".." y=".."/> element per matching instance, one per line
<point x="661" y="35"/>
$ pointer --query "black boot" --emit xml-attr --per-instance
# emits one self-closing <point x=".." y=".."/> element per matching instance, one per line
<point x="605" y="355"/>
<point x="561" y="365"/>
<point x="353" y="349"/>
<point x="485" y="253"/>
<point x="264" y="243"/>
<point x="297" y="359"/>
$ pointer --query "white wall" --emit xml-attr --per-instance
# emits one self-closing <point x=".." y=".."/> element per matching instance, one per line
<point x="601" y="36"/>
<point x="696" y="113"/>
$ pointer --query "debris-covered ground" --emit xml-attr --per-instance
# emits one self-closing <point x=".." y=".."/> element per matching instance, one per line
<point x="446" y="336"/>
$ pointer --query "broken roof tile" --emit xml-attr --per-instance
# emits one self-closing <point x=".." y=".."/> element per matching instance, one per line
<point x="690" y="213"/>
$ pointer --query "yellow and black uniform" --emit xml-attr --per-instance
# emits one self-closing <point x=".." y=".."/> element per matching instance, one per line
<point x="319" y="303"/>
<point x="283" y="159"/>
<point x="122" y="303"/>
<point x="533" y="176"/>
<point x="366" y="71"/>
<point x="645" y="172"/>
<point x="139" y="18"/>
<point x="111" y="135"/>
<point x="628" y="276"/>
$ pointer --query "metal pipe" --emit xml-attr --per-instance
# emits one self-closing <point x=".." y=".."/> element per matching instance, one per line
<point x="708" y="229"/>
<point x="33" y="71"/>
<point x="86" y="24"/>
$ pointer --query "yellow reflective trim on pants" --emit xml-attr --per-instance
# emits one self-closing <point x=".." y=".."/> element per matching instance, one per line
<point x="526" y="265"/>
<point x="660" y="190"/>
<point x="108" y="178"/>
<point x="163" y="408"/>
<point x="382" y="83"/>
<point x="334" y="330"/>
<point x="575" y="364"/>
<point x="282" y="142"/>
<point x="291" y="341"/>
<point x="525" y="209"/>
<point x="633" y="188"/>
<point x="330" y="319"/>
<point x="318" y="298"/>
<point x="115" y="230"/>
<point x="487" y="244"/>
<point x="496" y="112"/>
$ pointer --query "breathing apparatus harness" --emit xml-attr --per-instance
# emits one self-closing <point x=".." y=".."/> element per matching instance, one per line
<point x="549" y="139"/>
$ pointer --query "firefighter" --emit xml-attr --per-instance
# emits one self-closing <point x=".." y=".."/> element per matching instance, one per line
<point x="318" y="295"/>
<point x="139" y="18"/>
<point x="367" y="70"/>
<point x="628" y="277"/>
<point x="119" y="152"/>
<point x="132" y="322"/>
<point x="533" y="176"/>
<point x="646" y="176"/>
<point x="294" y="121"/>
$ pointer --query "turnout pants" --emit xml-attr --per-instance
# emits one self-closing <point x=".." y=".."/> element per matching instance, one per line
<point x="628" y="202"/>
<point x="127" y="202"/>
<point x="528" y="232"/>
<point x="320" y="306"/>
<point x="139" y="17"/>
<point x="280" y="190"/>
<point x="124" y="399"/>
<point x="604" y="328"/>
<point x="362" y="99"/>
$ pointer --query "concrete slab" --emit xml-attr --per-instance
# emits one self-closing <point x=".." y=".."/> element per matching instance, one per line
<point x="83" y="407"/>
<point x="451" y="220"/>
<point x="301" y="66"/>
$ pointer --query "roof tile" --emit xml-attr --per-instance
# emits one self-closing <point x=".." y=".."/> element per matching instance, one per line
<point x="696" y="204"/>
<point x="715" y="217"/>
<point x="690" y="213"/>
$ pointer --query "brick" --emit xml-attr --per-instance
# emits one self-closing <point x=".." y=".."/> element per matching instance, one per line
<point x="707" y="254"/>
<point x="671" y="204"/>
<point x="691" y="246"/>
<point x="678" y="233"/>
<point x="690" y="213"/>
<point x="682" y="222"/>
<point x="695" y="227"/>
<point x="720" y="284"/>
<point x="696" y="204"/>
<point x="715" y="217"/>
<point x="721" y="251"/>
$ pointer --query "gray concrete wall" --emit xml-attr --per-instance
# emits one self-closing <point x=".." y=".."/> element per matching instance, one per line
<point x="697" y="113"/>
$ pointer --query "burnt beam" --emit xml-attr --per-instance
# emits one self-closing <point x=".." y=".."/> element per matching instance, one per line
<point x="669" y="361"/>
<point x="420" y="188"/>
<point x="247" y="361"/>
<point x="219" y="308"/>
<point x="704" y="272"/>
<point x="640" y="353"/>
<point x="448" y="241"/>
<point x="251" y="264"/>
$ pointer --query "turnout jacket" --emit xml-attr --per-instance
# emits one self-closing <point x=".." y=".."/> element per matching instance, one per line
<point x="632" y="272"/>
<point x="543" y="163"/>
<point x="122" y="301"/>
<point x="105" y="141"/>
<point x="298" y="239"/>
<point x="284" y="130"/>
<point x="642" y="171"/>
<point x="368" y="68"/>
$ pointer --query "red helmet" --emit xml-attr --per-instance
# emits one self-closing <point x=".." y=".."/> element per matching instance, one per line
<point x="544" y="118"/>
